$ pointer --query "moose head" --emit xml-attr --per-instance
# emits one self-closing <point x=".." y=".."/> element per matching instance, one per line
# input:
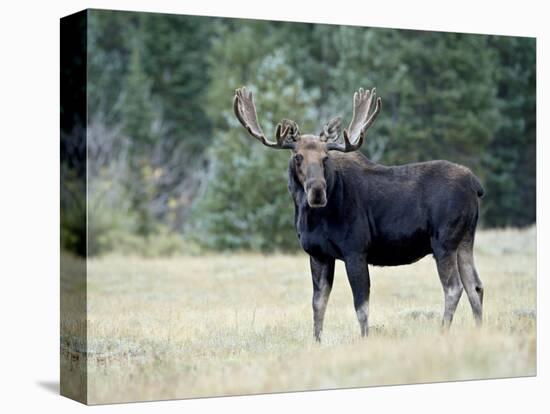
<point x="310" y="152"/>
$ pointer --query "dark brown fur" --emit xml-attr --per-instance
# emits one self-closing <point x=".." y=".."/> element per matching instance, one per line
<point x="389" y="216"/>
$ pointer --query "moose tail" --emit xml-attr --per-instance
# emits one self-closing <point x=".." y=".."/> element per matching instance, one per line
<point x="477" y="187"/>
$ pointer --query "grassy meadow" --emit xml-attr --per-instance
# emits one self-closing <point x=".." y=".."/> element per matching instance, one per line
<point x="194" y="326"/>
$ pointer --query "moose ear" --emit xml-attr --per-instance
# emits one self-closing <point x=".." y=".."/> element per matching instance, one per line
<point x="331" y="130"/>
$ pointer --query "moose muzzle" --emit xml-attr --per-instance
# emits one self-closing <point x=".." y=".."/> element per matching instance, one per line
<point x="316" y="193"/>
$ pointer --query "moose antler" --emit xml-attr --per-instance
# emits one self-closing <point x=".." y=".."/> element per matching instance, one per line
<point x="331" y="130"/>
<point x="361" y="121"/>
<point x="245" y="111"/>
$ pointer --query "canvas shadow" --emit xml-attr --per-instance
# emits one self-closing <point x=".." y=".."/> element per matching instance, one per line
<point x="51" y="386"/>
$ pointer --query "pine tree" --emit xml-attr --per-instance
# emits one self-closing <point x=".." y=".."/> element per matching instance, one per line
<point x="511" y="155"/>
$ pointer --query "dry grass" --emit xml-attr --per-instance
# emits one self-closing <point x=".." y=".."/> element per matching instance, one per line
<point x="241" y="324"/>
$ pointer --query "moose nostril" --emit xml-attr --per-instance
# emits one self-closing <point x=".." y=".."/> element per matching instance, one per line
<point x="316" y="196"/>
<point x="318" y="193"/>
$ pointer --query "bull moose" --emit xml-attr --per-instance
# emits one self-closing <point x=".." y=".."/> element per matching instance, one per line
<point x="352" y="209"/>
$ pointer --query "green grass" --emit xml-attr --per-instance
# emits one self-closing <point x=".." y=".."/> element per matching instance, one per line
<point x="241" y="324"/>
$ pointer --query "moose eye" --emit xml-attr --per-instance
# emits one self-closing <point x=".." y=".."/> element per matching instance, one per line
<point x="298" y="158"/>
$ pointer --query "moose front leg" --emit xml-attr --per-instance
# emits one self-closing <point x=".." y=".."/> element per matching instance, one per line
<point x="322" y="273"/>
<point x="358" y="275"/>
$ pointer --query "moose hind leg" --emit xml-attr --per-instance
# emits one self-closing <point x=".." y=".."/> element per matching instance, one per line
<point x="358" y="276"/>
<point x="470" y="280"/>
<point x="447" y="267"/>
<point x="322" y="273"/>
